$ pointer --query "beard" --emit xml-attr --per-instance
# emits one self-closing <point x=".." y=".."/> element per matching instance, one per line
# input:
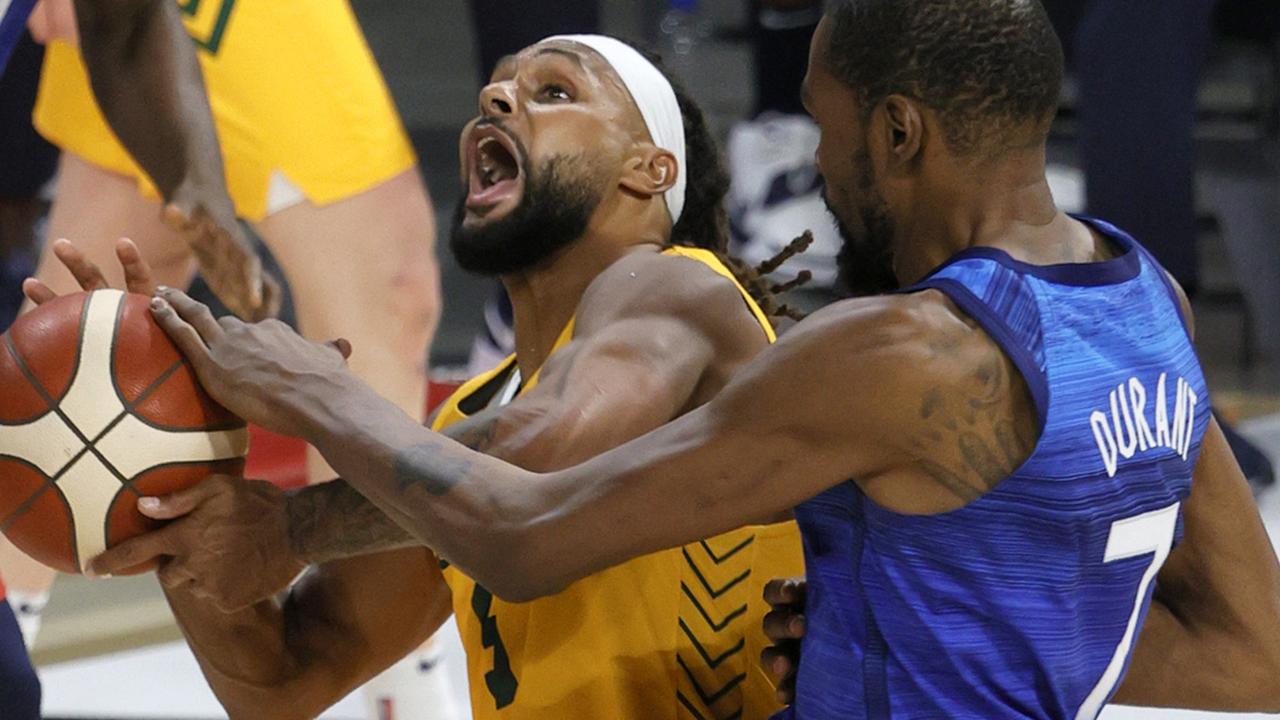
<point x="865" y="261"/>
<point x="557" y="205"/>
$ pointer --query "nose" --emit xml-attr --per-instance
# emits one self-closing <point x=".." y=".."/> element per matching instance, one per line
<point x="497" y="100"/>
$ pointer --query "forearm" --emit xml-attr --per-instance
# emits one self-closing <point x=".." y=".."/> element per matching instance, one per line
<point x="244" y="655"/>
<point x="1178" y="665"/>
<point x="332" y="520"/>
<point x="145" y="76"/>
<point x="474" y="511"/>
<point x="341" y="624"/>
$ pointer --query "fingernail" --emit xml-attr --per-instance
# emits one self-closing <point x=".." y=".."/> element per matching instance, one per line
<point x="162" y="289"/>
<point x="149" y="503"/>
<point x="157" y="303"/>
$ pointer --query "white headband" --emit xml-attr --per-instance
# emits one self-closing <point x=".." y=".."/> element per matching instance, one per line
<point x="654" y="97"/>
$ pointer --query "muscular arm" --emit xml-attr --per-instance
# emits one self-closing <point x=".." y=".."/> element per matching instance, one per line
<point x="639" y="357"/>
<point x="342" y="624"/>
<point x="633" y="365"/>
<point x="828" y="402"/>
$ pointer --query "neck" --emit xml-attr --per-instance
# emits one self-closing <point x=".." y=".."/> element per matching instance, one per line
<point x="545" y="298"/>
<point x="1006" y="204"/>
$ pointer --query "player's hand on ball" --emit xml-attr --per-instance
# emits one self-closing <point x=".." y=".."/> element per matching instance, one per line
<point x="227" y="260"/>
<point x="228" y="542"/>
<point x="137" y="273"/>
<point x="264" y="372"/>
<point x="785" y="626"/>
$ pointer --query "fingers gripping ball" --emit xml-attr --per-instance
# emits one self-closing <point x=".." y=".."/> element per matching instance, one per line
<point x="98" y="409"/>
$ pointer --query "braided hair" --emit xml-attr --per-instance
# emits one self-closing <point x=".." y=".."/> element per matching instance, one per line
<point x="705" y="223"/>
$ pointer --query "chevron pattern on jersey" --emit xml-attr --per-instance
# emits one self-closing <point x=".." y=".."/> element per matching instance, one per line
<point x="713" y="609"/>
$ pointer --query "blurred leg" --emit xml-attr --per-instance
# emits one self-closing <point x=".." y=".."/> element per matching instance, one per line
<point x="365" y="269"/>
<point x="19" y="685"/>
<point x="93" y="208"/>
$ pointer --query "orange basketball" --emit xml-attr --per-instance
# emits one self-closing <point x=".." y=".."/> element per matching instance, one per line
<point x="98" y="409"/>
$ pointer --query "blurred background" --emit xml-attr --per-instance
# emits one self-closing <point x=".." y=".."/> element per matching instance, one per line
<point x="1169" y="127"/>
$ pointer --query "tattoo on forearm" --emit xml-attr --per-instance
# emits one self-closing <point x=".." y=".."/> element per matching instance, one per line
<point x="424" y="466"/>
<point x="333" y="521"/>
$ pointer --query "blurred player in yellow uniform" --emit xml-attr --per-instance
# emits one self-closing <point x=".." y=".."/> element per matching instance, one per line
<point x="315" y="158"/>
<point x="595" y="193"/>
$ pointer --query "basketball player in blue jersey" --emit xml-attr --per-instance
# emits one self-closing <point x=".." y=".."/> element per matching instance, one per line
<point x="1014" y="501"/>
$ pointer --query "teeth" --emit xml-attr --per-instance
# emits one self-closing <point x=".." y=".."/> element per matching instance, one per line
<point x="490" y="170"/>
<point x="485" y="163"/>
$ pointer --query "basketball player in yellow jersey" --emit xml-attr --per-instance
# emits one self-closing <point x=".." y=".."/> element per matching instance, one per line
<point x="622" y="323"/>
<point x="315" y="157"/>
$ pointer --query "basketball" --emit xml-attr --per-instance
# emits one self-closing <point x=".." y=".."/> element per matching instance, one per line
<point x="99" y="409"/>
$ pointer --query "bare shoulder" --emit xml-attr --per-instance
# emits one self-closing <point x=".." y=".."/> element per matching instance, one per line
<point x="670" y="288"/>
<point x="935" y="411"/>
<point x="924" y="329"/>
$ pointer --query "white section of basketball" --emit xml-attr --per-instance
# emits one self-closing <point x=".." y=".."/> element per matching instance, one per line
<point x="91" y="403"/>
<point x="130" y="447"/>
<point x="133" y="447"/>
<point x="89" y="488"/>
<point x="47" y="443"/>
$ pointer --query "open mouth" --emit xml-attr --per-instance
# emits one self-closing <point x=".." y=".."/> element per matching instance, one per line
<point x="495" y="169"/>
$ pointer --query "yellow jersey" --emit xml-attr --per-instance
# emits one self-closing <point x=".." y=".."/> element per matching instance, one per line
<point x="294" y="90"/>
<point x="672" y="635"/>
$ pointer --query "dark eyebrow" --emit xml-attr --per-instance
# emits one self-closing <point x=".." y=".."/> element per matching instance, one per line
<point x="575" y="57"/>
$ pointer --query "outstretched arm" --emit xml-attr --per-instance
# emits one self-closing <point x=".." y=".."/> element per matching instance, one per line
<point x="628" y="369"/>
<point x="643" y="352"/>
<point x="752" y="451"/>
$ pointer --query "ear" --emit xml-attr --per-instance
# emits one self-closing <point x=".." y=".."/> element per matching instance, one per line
<point x="904" y="131"/>
<point x="650" y="171"/>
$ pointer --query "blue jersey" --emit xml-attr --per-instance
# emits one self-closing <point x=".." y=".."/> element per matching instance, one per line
<point x="13" y="20"/>
<point x="1025" y="603"/>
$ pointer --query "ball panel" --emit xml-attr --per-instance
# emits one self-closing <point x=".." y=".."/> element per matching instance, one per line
<point x="143" y="361"/>
<point x="47" y="340"/>
<point x="46" y="532"/>
<point x="123" y="519"/>
<point x="141" y="352"/>
<point x="20" y="481"/>
<point x="20" y="402"/>
<point x="178" y="402"/>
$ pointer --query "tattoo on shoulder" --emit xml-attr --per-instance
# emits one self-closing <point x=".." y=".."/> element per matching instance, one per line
<point x="425" y="466"/>
<point x="971" y="440"/>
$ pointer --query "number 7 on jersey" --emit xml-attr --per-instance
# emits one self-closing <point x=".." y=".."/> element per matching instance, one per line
<point x="1141" y="534"/>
